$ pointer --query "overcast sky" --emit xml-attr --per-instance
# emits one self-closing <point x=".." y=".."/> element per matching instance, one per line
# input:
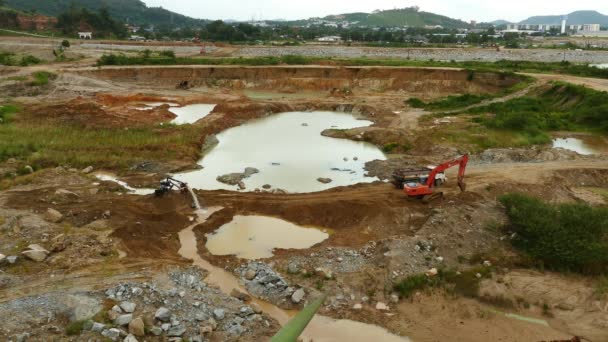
<point x="481" y="10"/>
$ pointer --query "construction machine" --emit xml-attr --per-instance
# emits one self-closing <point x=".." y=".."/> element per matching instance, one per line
<point x="425" y="188"/>
<point x="168" y="184"/>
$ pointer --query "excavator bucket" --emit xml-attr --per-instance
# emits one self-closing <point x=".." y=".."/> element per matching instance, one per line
<point x="462" y="185"/>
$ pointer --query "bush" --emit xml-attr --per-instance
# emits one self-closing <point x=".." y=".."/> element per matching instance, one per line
<point x="65" y="43"/>
<point x="42" y="78"/>
<point x="415" y="102"/>
<point x="571" y="237"/>
<point x="167" y="53"/>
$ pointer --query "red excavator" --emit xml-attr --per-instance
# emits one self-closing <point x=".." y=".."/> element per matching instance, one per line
<point x="424" y="189"/>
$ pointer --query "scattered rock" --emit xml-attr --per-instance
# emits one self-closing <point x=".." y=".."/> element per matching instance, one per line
<point x="66" y="193"/>
<point x="238" y="294"/>
<point x="305" y="125"/>
<point x="128" y="307"/>
<point x="324" y="180"/>
<point x="382" y="307"/>
<point x="176" y="331"/>
<point x="53" y="215"/>
<point x="478" y="275"/>
<point x="156" y="331"/>
<point x="487" y="263"/>
<point x="87" y="170"/>
<point x="250" y="274"/>
<point x="113" y="334"/>
<point x="297" y="296"/>
<point x="137" y="327"/>
<point x="219" y="314"/>
<point x="293" y="268"/>
<point x="256" y="308"/>
<point x="59" y="243"/>
<point x="432" y="272"/>
<point x="358" y="306"/>
<point x="130" y="338"/>
<point x="394" y="298"/>
<point x="2" y="258"/>
<point x="163" y="314"/>
<point x="36" y="253"/>
<point x="97" y="327"/>
<point x="123" y="320"/>
<point x="11" y="259"/>
<point x="28" y="169"/>
<point x="266" y="186"/>
<point x="324" y="272"/>
<point x="242" y="185"/>
<point x="235" y="178"/>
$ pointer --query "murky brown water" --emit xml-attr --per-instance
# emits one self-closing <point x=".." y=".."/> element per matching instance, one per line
<point x="583" y="145"/>
<point x="290" y="153"/>
<point x="255" y="237"/>
<point x="321" y="328"/>
<point x="191" y="113"/>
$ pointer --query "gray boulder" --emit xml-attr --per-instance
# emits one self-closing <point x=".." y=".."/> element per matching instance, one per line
<point x="163" y="314"/>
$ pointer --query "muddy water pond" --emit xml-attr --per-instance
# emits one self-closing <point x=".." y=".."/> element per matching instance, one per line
<point x="289" y="152"/>
<point x="256" y="237"/>
<point x="583" y="146"/>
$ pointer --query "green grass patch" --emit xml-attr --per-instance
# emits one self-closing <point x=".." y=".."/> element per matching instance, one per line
<point x="7" y="112"/>
<point x="75" y="328"/>
<point x="10" y="59"/>
<point x="42" y="78"/>
<point x="48" y="144"/>
<point x="564" y="106"/>
<point x="464" y="283"/>
<point x="564" y="237"/>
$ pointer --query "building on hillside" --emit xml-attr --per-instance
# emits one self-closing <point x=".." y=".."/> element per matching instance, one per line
<point x="85" y="35"/>
<point x="36" y="22"/>
<point x="329" y="39"/>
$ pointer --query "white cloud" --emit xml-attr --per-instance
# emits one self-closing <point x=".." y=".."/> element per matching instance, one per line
<point x="514" y="10"/>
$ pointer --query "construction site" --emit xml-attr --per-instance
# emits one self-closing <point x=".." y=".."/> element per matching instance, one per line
<point x="213" y="203"/>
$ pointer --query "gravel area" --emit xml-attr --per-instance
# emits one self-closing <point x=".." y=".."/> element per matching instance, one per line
<point x="459" y="54"/>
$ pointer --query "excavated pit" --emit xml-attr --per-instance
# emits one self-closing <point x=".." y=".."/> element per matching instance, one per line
<point x="326" y="78"/>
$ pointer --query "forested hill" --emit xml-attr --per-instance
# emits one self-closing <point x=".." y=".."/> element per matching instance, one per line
<point x="131" y="11"/>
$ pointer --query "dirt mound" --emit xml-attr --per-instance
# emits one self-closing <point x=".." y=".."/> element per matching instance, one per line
<point x="517" y="155"/>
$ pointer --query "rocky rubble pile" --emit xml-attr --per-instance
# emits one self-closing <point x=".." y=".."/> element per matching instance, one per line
<point x="264" y="283"/>
<point x="524" y="155"/>
<point x="189" y="310"/>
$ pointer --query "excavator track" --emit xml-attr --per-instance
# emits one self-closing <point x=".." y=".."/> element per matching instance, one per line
<point x="430" y="198"/>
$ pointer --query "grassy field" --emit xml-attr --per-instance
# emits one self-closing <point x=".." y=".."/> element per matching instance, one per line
<point x="566" y="68"/>
<point x="525" y="120"/>
<point x="45" y="144"/>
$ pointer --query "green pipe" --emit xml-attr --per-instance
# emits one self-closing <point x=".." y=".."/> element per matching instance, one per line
<point x="294" y="328"/>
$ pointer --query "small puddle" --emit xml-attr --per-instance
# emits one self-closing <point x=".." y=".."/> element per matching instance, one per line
<point x="152" y="105"/>
<point x="289" y="152"/>
<point x="321" y="328"/>
<point x="191" y="113"/>
<point x="579" y="146"/>
<point x="131" y="190"/>
<point x="256" y="237"/>
<point x="601" y="66"/>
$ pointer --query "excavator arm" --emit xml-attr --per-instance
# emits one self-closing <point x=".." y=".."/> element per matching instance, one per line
<point x="426" y="191"/>
<point x="462" y="162"/>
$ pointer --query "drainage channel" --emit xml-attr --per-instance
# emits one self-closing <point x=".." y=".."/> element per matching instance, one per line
<point x="321" y="328"/>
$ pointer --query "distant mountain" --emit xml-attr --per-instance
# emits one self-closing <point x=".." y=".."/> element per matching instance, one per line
<point x="574" y="18"/>
<point x="500" y="22"/>
<point x="397" y="17"/>
<point x="131" y="11"/>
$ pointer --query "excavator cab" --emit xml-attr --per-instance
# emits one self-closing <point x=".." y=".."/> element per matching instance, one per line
<point x="425" y="188"/>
